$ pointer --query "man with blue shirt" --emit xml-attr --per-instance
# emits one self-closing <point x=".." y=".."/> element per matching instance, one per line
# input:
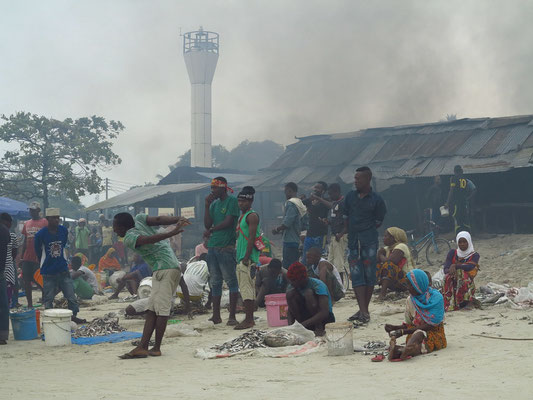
<point x="308" y="300"/>
<point x="364" y="212"/>
<point x="291" y="227"/>
<point x="49" y="244"/>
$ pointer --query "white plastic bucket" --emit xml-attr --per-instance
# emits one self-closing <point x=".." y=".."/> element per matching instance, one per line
<point x="56" y="326"/>
<point x="444" y="212"/>
<point x="339" y="337"/>
<point x="113" y="278"/>
<point x="145" y="288"/>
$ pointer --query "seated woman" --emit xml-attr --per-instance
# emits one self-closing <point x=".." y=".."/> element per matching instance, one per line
<point x="308" y="300"/>
<point x="109" y="263"/>
<point x="320" y="268"/>
<point x="461" y="267"/>
<point x="394" y="261"/>
<point x="424" y="320"/>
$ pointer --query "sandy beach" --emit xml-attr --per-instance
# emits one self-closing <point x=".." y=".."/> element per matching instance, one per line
<point x="470" y="367"/>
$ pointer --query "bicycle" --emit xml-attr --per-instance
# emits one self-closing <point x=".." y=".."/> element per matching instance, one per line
<point x="436" y="248"/>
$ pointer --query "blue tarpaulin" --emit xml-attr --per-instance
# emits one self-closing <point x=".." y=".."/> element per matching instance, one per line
<point x="111" y="338"/>
<point x="16" y="209"/>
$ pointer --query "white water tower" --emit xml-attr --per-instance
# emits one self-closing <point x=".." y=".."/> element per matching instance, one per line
<point x="200" y="50"/>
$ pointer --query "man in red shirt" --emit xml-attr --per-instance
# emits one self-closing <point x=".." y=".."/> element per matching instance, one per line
<point x="29" y="258"/>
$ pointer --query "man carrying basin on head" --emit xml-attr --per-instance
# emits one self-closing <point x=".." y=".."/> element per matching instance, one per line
<point x="141" y="236"/>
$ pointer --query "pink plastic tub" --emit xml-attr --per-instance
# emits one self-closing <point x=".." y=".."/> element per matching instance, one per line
<point x="277" y="309"/>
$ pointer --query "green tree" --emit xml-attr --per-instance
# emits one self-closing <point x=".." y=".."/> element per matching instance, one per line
<point x="55" y="157"/>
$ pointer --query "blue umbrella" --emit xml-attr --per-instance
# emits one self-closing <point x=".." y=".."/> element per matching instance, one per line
<point x="15" y="208"/>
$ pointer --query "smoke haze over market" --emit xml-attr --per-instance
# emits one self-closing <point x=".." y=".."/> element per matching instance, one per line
<point x="286" y="69"/>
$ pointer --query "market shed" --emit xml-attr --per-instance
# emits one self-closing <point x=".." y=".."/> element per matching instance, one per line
<point x="496" y="154"/>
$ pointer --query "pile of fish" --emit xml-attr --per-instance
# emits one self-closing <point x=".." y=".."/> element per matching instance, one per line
<point x="99" y="327"/>
<point x="252" y="339"/>
<point x="375" y="347"/>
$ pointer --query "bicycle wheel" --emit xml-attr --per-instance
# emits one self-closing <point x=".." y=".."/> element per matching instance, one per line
<point x="436" y="253"/>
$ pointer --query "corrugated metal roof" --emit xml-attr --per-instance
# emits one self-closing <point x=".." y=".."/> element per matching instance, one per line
<point x="143" y="193"/>
<point x="475" y="142"/>
<point x="480" y="145"/>
<point x="515" y="138"/>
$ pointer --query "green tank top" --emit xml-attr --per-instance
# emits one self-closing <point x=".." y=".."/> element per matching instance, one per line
<point x="243" y="233"/>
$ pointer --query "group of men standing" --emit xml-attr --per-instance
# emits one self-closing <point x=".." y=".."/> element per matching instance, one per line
<point x="353" y="221"/>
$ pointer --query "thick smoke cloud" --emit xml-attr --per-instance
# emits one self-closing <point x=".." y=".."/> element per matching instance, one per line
<point x="286" y="68"/>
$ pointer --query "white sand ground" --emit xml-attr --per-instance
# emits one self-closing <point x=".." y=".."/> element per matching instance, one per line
<point x="471" y="367"/>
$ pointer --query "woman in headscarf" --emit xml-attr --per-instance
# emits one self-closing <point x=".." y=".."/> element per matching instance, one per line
<point x="109" y="263"/>
<point x="461" y="267"/>
<point x="394" y="261"/>
<point x="424" y="320"/>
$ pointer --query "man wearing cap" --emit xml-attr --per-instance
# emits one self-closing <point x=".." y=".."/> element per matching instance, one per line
<point x="220" y="221"/>
<point x="51" y="241"/>
<point x="82" y="237"/>
<point x="29" y="260"/>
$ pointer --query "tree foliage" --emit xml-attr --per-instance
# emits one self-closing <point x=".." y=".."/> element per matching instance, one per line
<point x="249" y="156"/>
<point x="46" y="156"/>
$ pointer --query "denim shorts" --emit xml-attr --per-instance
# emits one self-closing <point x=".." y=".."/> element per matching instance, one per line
<point x="222" y="267"/>
<point x="363" y="259"/>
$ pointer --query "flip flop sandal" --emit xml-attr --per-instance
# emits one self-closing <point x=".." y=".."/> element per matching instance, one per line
<point x="355" y="316"/>
<point x="378" y="358"/>
<point x="129" y="356"/>
<point x="399" y="359"/>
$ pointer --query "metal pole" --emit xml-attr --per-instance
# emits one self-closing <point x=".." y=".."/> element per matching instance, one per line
<point x="106" y="188"/>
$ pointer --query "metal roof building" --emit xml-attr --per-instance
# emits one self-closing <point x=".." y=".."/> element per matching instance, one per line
<point x="480" y="145"/>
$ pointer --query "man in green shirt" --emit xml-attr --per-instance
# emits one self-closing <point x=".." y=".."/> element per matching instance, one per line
<point x="82" y="237"/>
<point x="141" y="236"/>
<point x="247" y="254"/>
<point x="220" y="221"/>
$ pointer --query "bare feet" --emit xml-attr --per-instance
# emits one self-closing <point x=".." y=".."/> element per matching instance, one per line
<point x="215" y="321"/>
<point x="409" y="351"/>
<point x="244" y="325"/>
<point x="393" y="351"/>
<point x="231" y="322"/>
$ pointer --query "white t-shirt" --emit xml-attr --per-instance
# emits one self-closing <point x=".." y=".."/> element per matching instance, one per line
<point x="90" y="278"/>
<point x="196" y="276"/>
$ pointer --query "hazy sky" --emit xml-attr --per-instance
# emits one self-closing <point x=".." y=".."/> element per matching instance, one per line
<point x="286" y="68"/>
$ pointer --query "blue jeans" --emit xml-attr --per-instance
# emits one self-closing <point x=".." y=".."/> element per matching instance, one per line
<point x="310" y="242"/>
<point x="362" y="258"/>
<point x="222" y="267"/>
<point x="53" y="284"/>
<point x="291" y="254"/>
<point x="4" y="309"/>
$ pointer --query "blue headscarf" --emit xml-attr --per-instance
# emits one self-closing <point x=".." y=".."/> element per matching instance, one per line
<point x="429" y="303"/>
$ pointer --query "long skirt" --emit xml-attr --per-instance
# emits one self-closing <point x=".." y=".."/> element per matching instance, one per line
<point x="435" y="338"/>
<point x="459" y="289"/>
<point x="393" y="272"/>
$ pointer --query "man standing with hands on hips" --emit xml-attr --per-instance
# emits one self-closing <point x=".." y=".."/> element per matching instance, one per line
<point x="220" y="221"/>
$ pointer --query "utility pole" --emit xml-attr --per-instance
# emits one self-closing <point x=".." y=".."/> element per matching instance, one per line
<point x="106" y="188"/>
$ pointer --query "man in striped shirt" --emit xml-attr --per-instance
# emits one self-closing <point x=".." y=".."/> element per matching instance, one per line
<point x="12" y="248"/>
